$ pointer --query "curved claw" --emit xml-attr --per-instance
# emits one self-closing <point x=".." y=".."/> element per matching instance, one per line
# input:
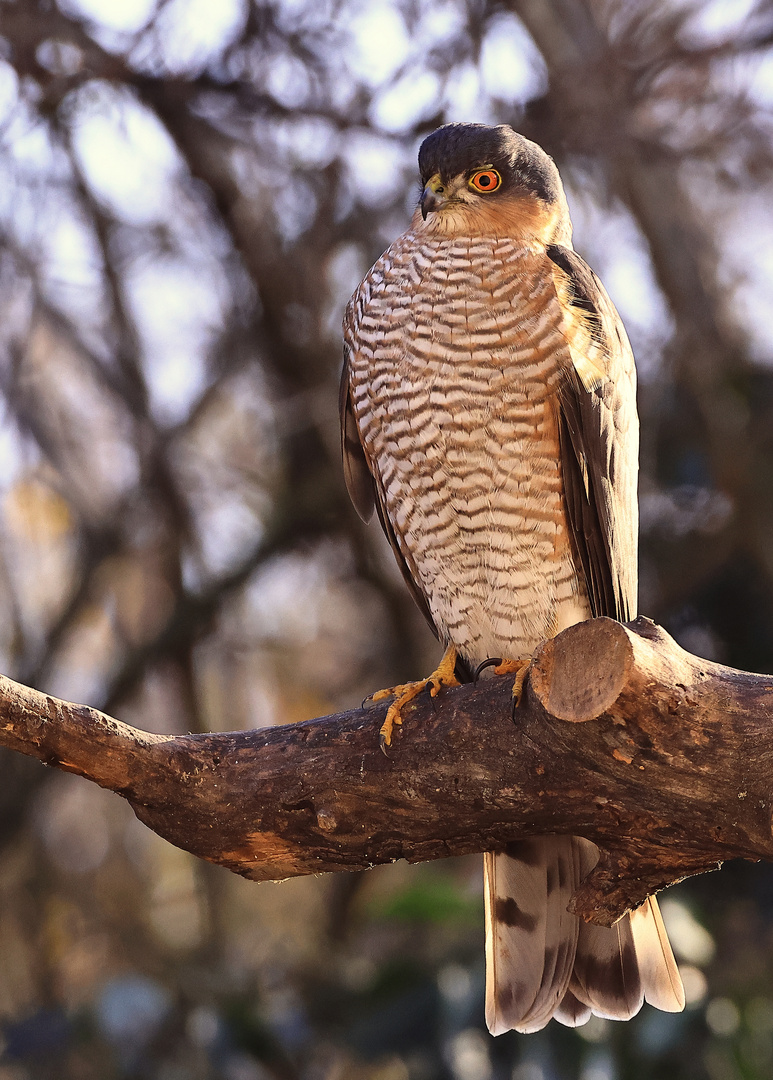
<point x="493" y="661"/>
<point x="520" y="678"/>
<point x="442" y="676"/>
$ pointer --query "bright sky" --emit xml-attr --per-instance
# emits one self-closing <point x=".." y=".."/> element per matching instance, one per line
<point x="122" y="16"/>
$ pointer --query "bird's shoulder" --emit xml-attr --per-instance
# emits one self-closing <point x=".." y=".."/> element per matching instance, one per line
<point x="598" y="344"/>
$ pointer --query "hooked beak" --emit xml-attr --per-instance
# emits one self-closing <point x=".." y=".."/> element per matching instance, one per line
<point x="433" y="197"/>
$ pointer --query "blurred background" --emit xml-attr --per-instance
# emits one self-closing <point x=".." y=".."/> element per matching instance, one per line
<point x="189" y="192"/>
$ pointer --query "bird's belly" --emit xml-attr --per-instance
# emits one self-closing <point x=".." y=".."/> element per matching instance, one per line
<point x="479" y="513"/>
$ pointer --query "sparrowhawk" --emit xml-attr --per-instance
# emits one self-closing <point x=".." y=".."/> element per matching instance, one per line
<point x="489" y="414"/>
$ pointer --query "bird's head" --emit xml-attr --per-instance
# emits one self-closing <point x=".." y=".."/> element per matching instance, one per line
<point x="479" y="180"/>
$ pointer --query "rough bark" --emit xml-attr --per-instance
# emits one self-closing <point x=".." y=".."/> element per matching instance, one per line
<point x="661" y="758"/>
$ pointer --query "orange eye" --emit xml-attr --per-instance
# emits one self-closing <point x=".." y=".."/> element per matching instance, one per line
<point x="485" y="181"/>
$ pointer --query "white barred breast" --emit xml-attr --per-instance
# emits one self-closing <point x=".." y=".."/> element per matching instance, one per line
<point x="455" y="356"/>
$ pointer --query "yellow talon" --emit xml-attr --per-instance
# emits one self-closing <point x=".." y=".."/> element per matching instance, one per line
<point x="520" y="677"/>
<point x="392" y="691"/>
<point x="443" y="675"/>
<point x="507" y="667"/>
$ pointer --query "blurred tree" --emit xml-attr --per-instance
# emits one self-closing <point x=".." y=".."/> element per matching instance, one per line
<point x="188" y="194"/>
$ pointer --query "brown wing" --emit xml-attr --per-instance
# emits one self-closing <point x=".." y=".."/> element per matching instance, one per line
<point x="599" y="438"/>
<point x="359" y="479"/>
<point x="364" y="487"/>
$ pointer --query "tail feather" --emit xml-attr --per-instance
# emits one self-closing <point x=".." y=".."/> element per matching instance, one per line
<point x="659" y="973"/>
<point x="543" y="962"/>
<point x="571" y="1012"/>
<point x="530" y="936"/>
<point x="606" y="972"/>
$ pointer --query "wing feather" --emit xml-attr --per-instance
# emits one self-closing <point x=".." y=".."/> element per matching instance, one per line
<point x="599" y="438"/>
<point x="359" y="479"/>
<point x="615" y="968"/>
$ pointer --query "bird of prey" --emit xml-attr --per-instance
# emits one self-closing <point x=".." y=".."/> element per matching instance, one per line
<point x="489" y="415"/>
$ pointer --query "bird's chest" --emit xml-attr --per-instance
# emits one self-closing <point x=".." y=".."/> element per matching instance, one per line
<point x="456" y="358"/>
<point x="456" y="344"/>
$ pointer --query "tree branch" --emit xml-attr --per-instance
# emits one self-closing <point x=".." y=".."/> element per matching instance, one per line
<point x="661" y="758"/>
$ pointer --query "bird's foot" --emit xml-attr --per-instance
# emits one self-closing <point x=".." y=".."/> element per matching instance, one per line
<point x="508" y="667"/>
<point x="442" y="676"/>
